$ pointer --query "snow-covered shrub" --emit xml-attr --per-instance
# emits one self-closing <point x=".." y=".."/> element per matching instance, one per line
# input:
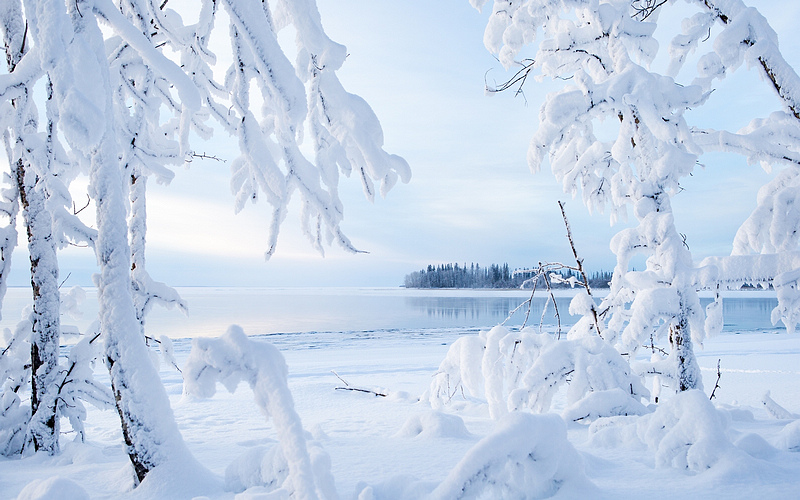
<point x="457" y="373"/>
<point x="685" y="432"/>
<point x="528" y="456"/>
<point x="15" y="359"/>
<point x="77" y="384"/>
<point x="525" y="369"/>
<point x="73" y="384"/>
<point x="233" y="358"/>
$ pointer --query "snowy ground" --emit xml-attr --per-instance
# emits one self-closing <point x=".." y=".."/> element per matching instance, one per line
<point x="361" y="434"/>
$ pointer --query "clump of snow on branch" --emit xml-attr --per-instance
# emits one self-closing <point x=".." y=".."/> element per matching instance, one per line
<point x="233" y="358"/>
<point x="523" y="370"/>
<point x="527" y="456"/>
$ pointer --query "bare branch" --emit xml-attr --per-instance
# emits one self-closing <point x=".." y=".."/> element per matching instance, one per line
<point x="579" y="261"/>
<point x="716" y="385"/>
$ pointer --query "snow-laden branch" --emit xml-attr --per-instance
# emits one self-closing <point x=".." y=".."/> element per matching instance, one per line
<point x="299" y="96"/>
<point x="233" y="358"/>
<point x="190" y="98"/>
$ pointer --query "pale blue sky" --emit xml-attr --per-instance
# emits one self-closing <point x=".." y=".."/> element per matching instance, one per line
<point x="421" y="65"/>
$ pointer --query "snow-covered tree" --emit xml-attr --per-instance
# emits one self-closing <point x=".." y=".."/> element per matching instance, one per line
<point x="39" y="167"/>
<point x="125" y="110"/>
<point x="233" y="358"/>
<point x="617" y="134"/>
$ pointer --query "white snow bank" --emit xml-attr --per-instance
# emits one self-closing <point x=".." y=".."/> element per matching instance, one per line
<point x="179" y="479"/>
<point x="53" y="488"/>
<point x="528" y="456"/>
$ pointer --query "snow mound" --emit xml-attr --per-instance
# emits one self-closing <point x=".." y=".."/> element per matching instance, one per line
<point x="400" y="487"/>
<point x="263" y="472"/>
<point x="528" y="456"/>
<point x="54" y="488"/>
<point x="434" y="424"/>
<point x="789" y="437"/>
<point x="685" y="432"/>
<point x="756" y="446"/>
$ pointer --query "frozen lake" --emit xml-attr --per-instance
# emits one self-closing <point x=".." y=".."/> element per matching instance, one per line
<point x="264" y="311"/>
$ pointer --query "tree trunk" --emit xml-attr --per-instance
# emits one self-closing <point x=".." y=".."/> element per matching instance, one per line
<point x="687" y="371"/>
<point x="148" y="425"/>
<point x="44" y="427"/>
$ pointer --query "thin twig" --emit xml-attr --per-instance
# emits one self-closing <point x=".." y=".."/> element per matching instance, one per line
<point x="65" y="280"/>
<point x="530" y="302"/>
<point x="716" y="385"/>
<point x="340" y="378"/>
<point x="203" y="156"/>
<point x="357" y="389"/>
<point x="76" y="210"/>
<point x="555" y="306"/>
<point x="579" y="261"/>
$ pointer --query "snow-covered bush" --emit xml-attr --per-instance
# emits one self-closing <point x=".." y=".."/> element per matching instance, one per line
<point x="77" y="384"/>
<point x="15" y="376"/>
<point x="527" y="456"/>
<point x="516" y="370"/>
<point x="233" y="358"/>
<point x="685" y="432"/>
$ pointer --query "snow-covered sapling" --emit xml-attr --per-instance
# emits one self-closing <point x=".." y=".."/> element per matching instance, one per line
<point x="233" y="358"/>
